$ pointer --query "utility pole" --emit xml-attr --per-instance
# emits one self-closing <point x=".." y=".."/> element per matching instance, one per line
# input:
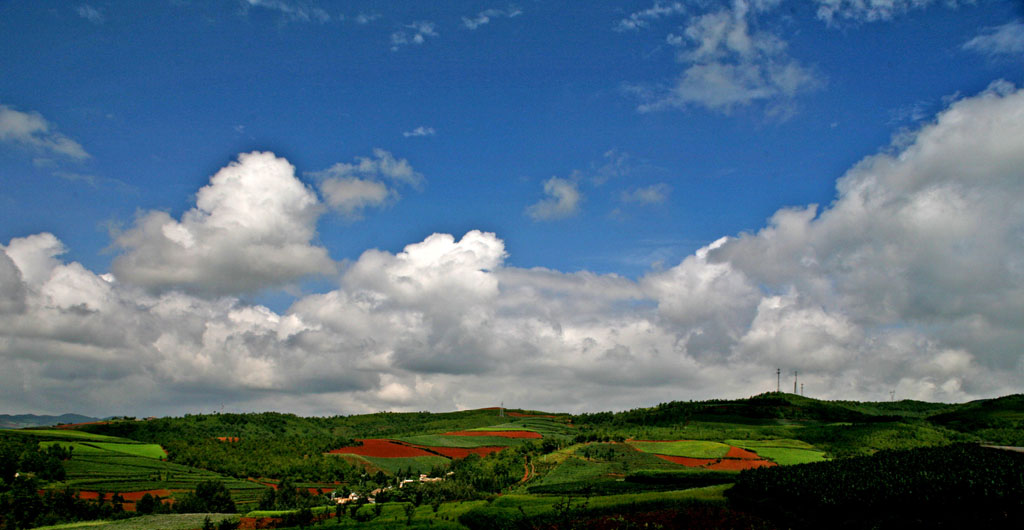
<point x="794" y="381"/>
<point x="778" y="380"/>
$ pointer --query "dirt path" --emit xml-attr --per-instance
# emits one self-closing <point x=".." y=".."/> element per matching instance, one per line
<point x="528" y="469"/>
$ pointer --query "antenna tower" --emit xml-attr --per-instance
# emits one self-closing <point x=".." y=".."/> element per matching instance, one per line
<point x="794" y="381"/>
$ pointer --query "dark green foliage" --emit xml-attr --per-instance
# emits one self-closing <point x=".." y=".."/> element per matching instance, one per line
<point x="956" y="486"/>
<point x="999" y="421"/>
<point x="209" y="497"/>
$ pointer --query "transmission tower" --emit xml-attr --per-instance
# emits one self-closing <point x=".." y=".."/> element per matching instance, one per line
<point x="794" y="381"/>
<point x="778" y="380"/>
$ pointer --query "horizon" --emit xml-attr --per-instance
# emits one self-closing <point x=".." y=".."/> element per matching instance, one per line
<point x="335" y="208"/>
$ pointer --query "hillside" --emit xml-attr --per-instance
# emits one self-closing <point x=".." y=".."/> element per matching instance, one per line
<point x="671" y="464"/>
<point x="21" y="421"/>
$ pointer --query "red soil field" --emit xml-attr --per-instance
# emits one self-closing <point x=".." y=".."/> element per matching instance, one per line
<point x="130" y="497"/>
<point x="737" y="460"/>
<point x="463" y="452"/>
<point x="736" y="452"/>
<point x="382" y="448"/>
<point x="502" y="434"/>
<point x="740" y="465"/>
<point x="228" y="438"/>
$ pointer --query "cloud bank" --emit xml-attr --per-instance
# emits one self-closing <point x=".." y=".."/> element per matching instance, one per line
<point x="911" y="280"/>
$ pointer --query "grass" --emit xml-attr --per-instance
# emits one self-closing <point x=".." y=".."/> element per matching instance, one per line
<point x="419" y="464"/>
<point x="185" y="521"/>
<point x="687" y="448"/>
<point x="61" y="434"/>
<point x="94" y="448"/>
<point x="783" y="451"/>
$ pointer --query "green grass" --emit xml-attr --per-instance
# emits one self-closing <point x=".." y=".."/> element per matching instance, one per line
<point x="687" y="448"/>
<point x="186" y="521"/>
<point x="72" y="435"/>
<point x="785" y="456"/>
<point x="393" y="466"/>
<point x="783" y="451"/>
<point x="94" y="448"/>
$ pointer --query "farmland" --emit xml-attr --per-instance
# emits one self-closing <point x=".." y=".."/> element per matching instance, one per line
<point x="750" y="463"/>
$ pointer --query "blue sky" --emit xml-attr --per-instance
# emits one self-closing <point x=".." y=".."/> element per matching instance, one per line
<point x="593" y="151"/>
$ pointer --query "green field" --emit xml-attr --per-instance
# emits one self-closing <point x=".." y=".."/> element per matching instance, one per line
<point x="418" y="464"/>
<point x="784" y="452"/>
<point x="137" y="449"/>
<point x="687" y="448"/>
<point x="70" y="434"/>
<point x="178" y="521"/>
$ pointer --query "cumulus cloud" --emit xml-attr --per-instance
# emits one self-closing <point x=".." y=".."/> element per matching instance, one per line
<point x="484" y="17"/>
<point x="911" y="280"/>
<point x="250" y="230"/>
<point x="563" y="200"/>
<point x="350" y="188"/>
<point x="1007" y="39"/>
<point x="730" y="63"/>
<point x="31" y="130"/>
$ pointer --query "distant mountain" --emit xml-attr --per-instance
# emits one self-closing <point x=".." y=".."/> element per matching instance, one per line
<point x="19" y="421"/>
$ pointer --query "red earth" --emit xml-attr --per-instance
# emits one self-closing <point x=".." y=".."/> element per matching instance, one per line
<point x="381" y="448"/>
<point x="735" y="460"/>
<point x="463" y="452"/>
<point x="228" y="438"/>
<point x="130" y="497"/>
<point x="502" y="434"/>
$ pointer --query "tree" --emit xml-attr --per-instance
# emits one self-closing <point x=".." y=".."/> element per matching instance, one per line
<point x="210" y="496"/>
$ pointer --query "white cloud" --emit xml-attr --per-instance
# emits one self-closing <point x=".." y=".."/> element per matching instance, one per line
<point x="912" y="279"/>
<point x="366" y="18"/>
<point x="563" y="200"/>
<point x="484" y="17"/>
<point x="653" y="194"/>
<point x="30" y="129"/>
<point x="351" y="188"/>
<point x="415" y="33"/>
<point x="296" y="11"/>
<point x="420" y="131"/>
<point x="729" y="64"/>
<point x="643" y="18"/>
<point x="1006" y="39"/>
<point x="90" y="13"/>
<point x="871" y="10"/>
<point x="250" y="230"/>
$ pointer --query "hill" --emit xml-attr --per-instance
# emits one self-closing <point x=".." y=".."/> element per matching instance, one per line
<point x="21" y="421"/>
<point x="704" y="464"/>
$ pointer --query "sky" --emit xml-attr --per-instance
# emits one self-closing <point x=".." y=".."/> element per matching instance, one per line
<point x="345" y="207"/>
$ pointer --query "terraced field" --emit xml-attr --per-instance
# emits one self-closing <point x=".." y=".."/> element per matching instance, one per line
<point x="108" y="465"/>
